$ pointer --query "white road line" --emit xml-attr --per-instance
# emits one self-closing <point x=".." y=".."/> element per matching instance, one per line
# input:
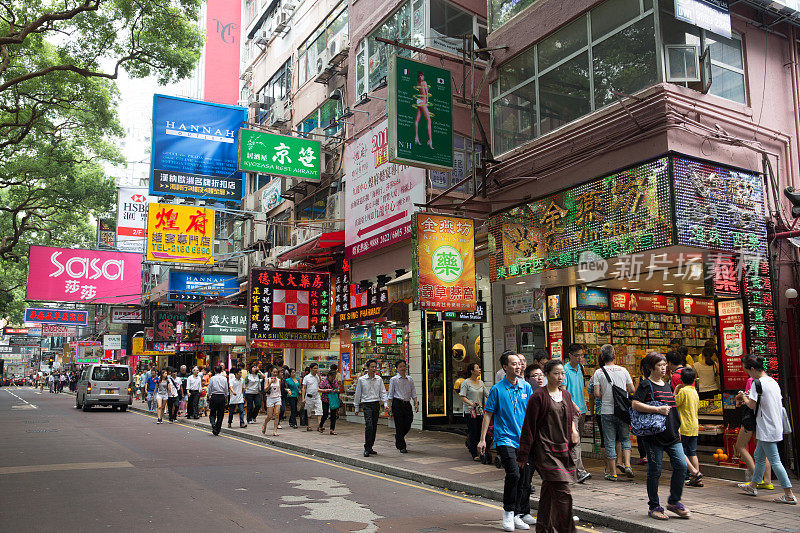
<point x="21" y="399"/>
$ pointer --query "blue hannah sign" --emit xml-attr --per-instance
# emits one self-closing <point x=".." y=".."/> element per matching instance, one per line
<point x="197" y="286"/>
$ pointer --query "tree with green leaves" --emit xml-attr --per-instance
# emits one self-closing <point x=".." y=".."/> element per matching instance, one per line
<point x="58" y="124"/>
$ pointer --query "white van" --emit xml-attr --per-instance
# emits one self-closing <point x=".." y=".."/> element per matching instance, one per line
<point x="106" y="385"/>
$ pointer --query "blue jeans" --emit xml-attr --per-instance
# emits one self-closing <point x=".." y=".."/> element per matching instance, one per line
<point x="614" y="430"/>
<point x="655" y="453"/>
<point x="765" y="451"/>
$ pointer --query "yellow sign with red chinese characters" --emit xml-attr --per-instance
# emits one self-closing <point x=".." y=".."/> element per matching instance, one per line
<point x="180" y="234"/>
<point x="444" y="262"/>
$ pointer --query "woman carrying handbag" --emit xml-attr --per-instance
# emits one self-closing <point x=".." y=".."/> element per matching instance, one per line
<point x="473" y="393"/>
<point x="652" y="401"/>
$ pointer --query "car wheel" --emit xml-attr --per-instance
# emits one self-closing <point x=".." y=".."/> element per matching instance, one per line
<point x="123" y="408"/>
<point x="86" y="407"/>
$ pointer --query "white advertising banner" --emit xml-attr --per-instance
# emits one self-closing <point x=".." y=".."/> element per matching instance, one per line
<point x="112" y="342"/>
<point x="126" y="315"/>
<point x="132" y="218"/>
<point x="379" y="196"/>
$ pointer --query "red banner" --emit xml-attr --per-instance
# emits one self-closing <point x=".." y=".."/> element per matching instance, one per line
<point x="645" y="303"/>
<point x="733" y="344"/>
<point x="223" y="28"/>
<point x="698" y="306"/>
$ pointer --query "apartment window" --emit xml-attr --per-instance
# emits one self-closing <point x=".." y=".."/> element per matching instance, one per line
<point x="727" y="56"/>
<point x="258" y="180"/>
<point x="462" y="156"/>
<point x="574" y="71"/>
<point x="449" y="23"/>
<point x="315" y="50"/>
<point x="277" y="88"/>
<point x="324" y="117"/>
<point x="501" y="11"/>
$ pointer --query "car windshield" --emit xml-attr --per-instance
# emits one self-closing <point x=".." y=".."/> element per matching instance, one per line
<point x="110" y="373"/>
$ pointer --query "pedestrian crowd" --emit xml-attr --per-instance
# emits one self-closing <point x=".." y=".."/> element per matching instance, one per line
<point x="532" y="417"/>
<point x="55" y="381"/>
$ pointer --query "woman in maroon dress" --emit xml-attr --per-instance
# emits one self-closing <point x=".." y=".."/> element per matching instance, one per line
<point x="548" y="435"/>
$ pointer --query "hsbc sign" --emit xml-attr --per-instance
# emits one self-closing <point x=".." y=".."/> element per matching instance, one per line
<point x="132" y="218"/>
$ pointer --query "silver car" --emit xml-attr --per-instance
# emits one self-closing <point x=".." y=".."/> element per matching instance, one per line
<point x="106" y="385"/>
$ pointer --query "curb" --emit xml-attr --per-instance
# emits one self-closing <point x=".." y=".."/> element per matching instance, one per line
<point x="586" y="515"/>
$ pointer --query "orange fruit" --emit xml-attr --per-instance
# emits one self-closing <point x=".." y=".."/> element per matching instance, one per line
<point x="720" y="451"/>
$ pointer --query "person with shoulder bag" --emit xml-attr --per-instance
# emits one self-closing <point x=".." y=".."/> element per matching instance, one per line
<point x="746" y="432"/>
<point x="252" y="393"/>
<point x="609" y="382"/>
<point x="771" y="426"/>
<point x="655" y="400"/>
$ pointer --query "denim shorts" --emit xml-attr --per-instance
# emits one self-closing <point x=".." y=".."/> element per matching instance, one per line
<point x="689" y="445"/>
<point x="615" y="430"/>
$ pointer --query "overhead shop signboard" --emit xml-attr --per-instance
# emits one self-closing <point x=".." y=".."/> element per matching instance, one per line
<point x="132" y="218"/>
<point x="224" y="325"/>
<point x="180" y="234"/>
<point x="195" y="147"/>
<point x="165" y="324"/>
<point x="420" y="114"/>
<point x="86" y="276"/>
<point x="197" y="286"/>
<point x="279" y="155"/>
<point x="443" y="262"/>
<point x="289" y="308"/>
<point x="719" y="208"/>
<point x="379" y="195"/>
<point x="126" y="315"/>
<point x="54" y="315"/>
<point x="57" y="330"/>
<point x="624" y="213"/>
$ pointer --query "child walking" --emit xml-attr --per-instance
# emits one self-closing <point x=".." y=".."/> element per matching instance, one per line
<point x="688" y="401"/>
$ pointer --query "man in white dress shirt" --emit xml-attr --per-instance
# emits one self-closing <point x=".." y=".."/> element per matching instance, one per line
<point x="370" y="392"/>
<point x="401" y="393"/>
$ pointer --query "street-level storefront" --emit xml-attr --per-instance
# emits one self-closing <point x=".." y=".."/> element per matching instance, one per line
<point x="669" y="249"/>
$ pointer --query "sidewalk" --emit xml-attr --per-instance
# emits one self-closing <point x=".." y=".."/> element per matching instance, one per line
<point x="440" y="459"/>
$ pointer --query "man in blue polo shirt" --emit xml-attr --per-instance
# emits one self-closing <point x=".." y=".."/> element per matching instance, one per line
<point x="574" y="382"/>
<point x="506" y="405"/>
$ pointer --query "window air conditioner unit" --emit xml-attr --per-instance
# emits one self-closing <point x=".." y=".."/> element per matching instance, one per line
<point x="243" y="266"/>
<point x="339" y="48"/>
<point x="289" y="6"/>
<point x="279" y="114"/>
<point x="281" y="18"/>
<point x="263" y="35"/>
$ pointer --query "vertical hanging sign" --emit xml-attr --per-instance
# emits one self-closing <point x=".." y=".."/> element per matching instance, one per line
<point x="223" y="28"/>
<point x="420" y="114"/>
<point x="443" y="263"/>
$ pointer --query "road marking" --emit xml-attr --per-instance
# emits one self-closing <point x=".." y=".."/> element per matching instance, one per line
<point x="63" y="466"/>
<point x="355" y="471"/>
<point x="22" y="400"/>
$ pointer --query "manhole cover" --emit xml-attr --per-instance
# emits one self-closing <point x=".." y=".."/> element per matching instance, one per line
<point x="431" y="529"/>
<point x="40" y="430"/>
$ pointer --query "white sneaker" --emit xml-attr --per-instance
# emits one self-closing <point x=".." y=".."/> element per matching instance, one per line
<point x="508" y="521"/>
<point x="519" y="524"/>
<point x="528" y="519"/>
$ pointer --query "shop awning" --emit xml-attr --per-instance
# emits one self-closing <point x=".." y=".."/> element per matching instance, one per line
<point x="319" y="246"/>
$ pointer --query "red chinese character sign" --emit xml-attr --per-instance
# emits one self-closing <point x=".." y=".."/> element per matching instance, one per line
<point x="180" y="234"/>
<point x="289" y="309"/>
<point x="443" y="263"/>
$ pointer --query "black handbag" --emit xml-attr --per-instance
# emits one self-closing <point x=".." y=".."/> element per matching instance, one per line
<point x="749" y="415"/>
<point x="622" y="402"/>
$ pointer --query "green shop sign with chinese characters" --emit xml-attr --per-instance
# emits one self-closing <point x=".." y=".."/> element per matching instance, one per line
<point x="279" y="155"/>
<point x="623" y="213"/>
<point x="420" y="114"/>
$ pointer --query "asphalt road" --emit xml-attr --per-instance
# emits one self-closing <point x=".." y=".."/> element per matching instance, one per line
<point x="65" y="470"/>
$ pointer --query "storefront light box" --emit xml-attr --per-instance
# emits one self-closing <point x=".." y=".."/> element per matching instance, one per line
<point x="632" y="211"/>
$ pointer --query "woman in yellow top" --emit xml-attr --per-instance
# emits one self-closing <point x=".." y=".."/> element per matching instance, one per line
<point x="422" y="109"/>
